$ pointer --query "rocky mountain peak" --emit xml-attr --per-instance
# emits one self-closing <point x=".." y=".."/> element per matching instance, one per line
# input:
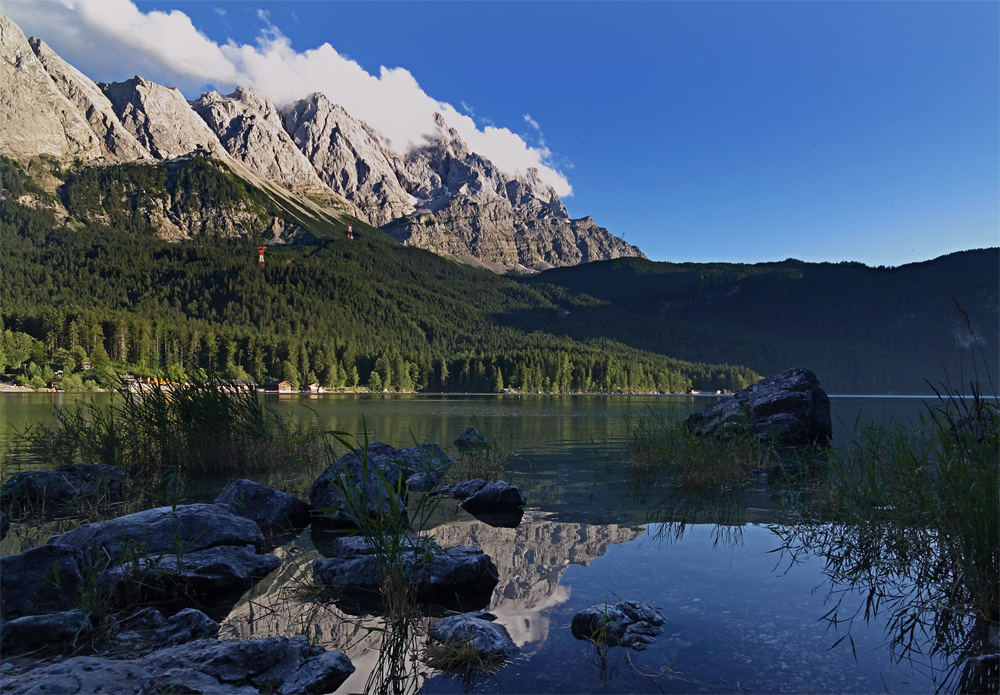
<point x="351" y="158"/>
<point x="118" y="143"/>
<point x="160" y="118"/>
<point x="250" y="129"/>
<point x="35" y="117"/>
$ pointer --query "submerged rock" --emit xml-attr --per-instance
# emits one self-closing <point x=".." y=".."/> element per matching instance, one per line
<point x="472" y="439"/>
<point x="460" y="575"/>
<point x="791" y="407"/>
<point x="274" y="511"/>
<point x="63" y="490"/>
<point x="222" y="570"/>
<point x="626" y="624"/>
<point x="491" y="641"/>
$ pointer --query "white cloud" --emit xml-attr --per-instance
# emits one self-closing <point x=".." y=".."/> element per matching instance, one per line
<point x="531" y="121"/>
<point x="219" y="11"/>
<point x="112" y="40"/>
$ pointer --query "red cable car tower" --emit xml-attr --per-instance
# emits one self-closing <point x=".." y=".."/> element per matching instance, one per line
<point x="260" y="255"/>
<point x="350" y="229"/>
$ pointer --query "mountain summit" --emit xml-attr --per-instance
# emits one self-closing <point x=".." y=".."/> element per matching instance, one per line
<point x="440" y="196"/>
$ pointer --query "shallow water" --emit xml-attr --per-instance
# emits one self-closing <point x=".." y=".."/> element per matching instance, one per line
<point x="738" y="617"/>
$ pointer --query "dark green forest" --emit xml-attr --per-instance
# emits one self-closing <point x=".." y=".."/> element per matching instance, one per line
<point x="100" y="288"/>
<point x="91" y="289"/>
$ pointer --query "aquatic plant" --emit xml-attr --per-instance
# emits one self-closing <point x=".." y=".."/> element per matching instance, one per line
<point x="162" y="434"/>
<point x="659" y="445"/>
<point x="910" y="516"/>
<point x="390" y="535"/>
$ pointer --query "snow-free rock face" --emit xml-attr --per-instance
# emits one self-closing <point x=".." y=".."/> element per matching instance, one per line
<point x="351" y="158"/>
<point x="250" y="129"/>
<point x="469" y="209"/>
<point x="35" y="117"/>
<point x="440" y="196"/>
<point x="118" y="144"/>
<point x="160" y="118"/>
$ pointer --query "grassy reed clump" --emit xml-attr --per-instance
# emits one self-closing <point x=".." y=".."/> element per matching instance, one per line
<point x="489" y="462"/>
<point x="390" y="536"/>
<point x="164" y="434"/>
<point x="659" y="445"/>
<point x="461" y="660"/>
<point x="911" y="516"/>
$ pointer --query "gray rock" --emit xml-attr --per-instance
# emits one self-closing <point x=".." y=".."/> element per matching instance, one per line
<point x="275" y="664"/>
<point x="350" y="157"/>
<point x="626" y="624"/>
<point x="323" y="673"/>
<point x="143" y="619"/>
<point x="40" y="631"/>
<point x="35" y="117"/>
<point x="274" y="511"/>
<point x="459" y="573"/>
<point x="117" y="143"/>
<point x="160" y="118"/>
<point x="462" y="490"/>
<point x="491" y="640"/>
<point x="82" y="674"/>
<point x="472" y="439"/>
<point x="251" y="130"/>
<point x="791" y="407"/>
<point x="189" y="624"/>
<point x="219" y="570"/>
<point x="163" y="531"/>
<point x="497" y="496"/>
<point x="65" y="489"/>
<point x="243" y="667"/>
<point x="467" y="208"/>
<point x="41" y="580"/>
<point x="370" y="485"/>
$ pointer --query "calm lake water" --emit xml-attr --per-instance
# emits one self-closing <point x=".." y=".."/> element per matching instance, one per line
<point x="739" y="618"/>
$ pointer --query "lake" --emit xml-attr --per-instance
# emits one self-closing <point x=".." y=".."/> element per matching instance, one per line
<point x="739" y="617"/>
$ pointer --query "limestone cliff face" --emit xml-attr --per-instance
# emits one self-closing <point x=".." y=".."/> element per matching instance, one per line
<point x="160" y="119"/>
<point x="351" y="158"/>
<point x="440" y="196"/>
<point x="250" y="129"/>
<point x="35" y="117"/>
<point x="470" y="209"/>
<point x="117" y="143"/>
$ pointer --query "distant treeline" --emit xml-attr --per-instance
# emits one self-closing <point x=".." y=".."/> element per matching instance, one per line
<point x="89" y="289"/>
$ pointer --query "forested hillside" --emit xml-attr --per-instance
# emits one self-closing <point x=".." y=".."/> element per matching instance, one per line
<point x="87" y="280"/>
<point x="861" y="329"/>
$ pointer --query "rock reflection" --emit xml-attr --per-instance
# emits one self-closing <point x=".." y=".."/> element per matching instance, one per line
<point x="531" y="560"/>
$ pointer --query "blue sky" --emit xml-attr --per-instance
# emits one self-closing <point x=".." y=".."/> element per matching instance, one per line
<point x="699" y="131"/>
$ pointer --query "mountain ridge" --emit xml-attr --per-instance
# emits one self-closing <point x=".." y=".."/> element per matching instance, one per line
<point x="440" y="196"/>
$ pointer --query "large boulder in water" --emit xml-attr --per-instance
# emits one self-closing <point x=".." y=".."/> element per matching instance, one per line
<point x="625" y="624"/>
<point x="162" y="531"/>
<point x="370" y="482"/>
<point x="273" y="510"/>
<point x="791" y="407"/>
<point x="63" y="490"/>
<point x="455" y="576"/>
